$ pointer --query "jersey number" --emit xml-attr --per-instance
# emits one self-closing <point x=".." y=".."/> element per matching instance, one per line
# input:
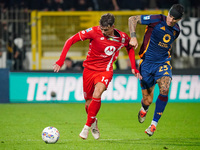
<point x="104" y="80"/>
<point x="163" y="68"/>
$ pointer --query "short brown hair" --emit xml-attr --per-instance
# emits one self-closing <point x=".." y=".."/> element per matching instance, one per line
<point x="107" y="20"/>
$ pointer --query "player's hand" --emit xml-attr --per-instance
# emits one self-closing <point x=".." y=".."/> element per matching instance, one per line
<point x="56" y="67"/>
<point x="137" y="74"/>
<point x="133" y="42"/>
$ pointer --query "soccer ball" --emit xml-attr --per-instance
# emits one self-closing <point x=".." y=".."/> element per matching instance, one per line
<point x="50" y="135"/>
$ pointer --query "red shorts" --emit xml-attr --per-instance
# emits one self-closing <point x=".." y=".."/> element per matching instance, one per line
<point x="91" y="78"/>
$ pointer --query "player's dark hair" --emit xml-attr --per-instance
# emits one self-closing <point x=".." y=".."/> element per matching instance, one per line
<point x="107" y="20"/>
<point x="177" y="11"/>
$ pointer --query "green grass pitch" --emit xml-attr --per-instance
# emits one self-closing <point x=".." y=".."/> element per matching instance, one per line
<point x="21" y="126"/>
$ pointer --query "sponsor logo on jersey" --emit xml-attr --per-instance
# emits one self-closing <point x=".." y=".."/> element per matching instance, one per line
<point x="163" y="28"/>
<point x="102" y="38"/>
<point x="146" y="17"/>
<point x="88" y="29"/>
<point x="166" y="73"/>
<point x="166" y="38"/>
<point x="109" y="50"/>
<point x="83" y="32"/>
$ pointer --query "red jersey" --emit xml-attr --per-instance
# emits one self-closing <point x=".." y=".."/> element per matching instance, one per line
<point x="103" y="50"/>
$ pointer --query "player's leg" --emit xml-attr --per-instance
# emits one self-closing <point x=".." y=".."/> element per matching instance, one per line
<point x="87" y="103"/>
<point x="88" y="89"/>
<point x="161" y="102"/>
<point x="95" y="104"/>
<point x="163" y="78"/>
<point x="93" y="109"/>
<point x="147" y="98"/>
<point x="101" y="81"/>
<point x="147" y="84"/>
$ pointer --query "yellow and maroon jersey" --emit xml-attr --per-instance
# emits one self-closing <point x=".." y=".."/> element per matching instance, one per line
<point x="158" y="39"/>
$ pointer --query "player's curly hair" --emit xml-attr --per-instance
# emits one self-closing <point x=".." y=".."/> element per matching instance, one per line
<point x="107" y="20"/>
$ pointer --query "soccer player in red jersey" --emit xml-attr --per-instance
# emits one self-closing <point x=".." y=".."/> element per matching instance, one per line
<point x="105" y="43"/>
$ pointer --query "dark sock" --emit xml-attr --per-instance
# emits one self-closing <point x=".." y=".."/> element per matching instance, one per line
<point x="161" y="103"/>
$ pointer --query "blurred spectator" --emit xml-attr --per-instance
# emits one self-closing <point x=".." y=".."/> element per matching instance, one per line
<point x="58" y="5"/>
<point x="165" y="4"/>
<point x="68" y="4"/>
<point x="68" y="63"/>
<point x="36" y="4"/>
<point x="150" y="4"/>
<point x="196" y="5"/>
<point x="19" y="54"/>
<point x="116" y="5"/>
<point x="49" y="5"/>
<point x="23" y="4"/>
<point x="71" y="65"/>
<point x="15" y="54"/>
<point x="105" y="5"/>
<point x="15" y="4"/>
<point x="9" y="56"/>
<point x="128" y="5"/>
<point x="82" y="5"/>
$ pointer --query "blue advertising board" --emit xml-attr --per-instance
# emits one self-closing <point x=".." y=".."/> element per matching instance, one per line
<point x="4" y="86"/>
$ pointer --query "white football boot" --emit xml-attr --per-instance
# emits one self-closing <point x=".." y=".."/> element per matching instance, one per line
<point x="150" y="130"/>
<point x="142" y="115"/>
<point x="84" y="132"/>
<point x="95" y="130"/>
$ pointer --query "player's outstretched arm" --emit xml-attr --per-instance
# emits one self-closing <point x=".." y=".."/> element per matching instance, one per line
<point x="132" y="23"/>
<point x="75" y="38"/>
<point x="131" y="54"/>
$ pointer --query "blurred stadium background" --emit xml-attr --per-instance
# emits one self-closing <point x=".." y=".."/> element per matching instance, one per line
<point x="31" y="40"/>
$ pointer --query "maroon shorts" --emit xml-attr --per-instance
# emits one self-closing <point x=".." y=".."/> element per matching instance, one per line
<point x="91" y="78"/>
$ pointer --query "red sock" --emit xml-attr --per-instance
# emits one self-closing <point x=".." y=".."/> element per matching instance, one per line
<point x="93" y="109"/>
<point x="86" y="109"/>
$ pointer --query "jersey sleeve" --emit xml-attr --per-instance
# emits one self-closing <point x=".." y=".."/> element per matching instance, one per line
<point x="80" y="36"/>
<point x="148" y="19"/>
<point x="131" y="53"/>
<point x="86" y="34"/>
<point x="75" y="38"/>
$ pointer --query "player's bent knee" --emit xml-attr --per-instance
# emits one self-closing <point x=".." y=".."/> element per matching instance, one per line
<point x="87" y="102"/>
<point x="147" y="101"/>
<point x="97" y="95"/>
